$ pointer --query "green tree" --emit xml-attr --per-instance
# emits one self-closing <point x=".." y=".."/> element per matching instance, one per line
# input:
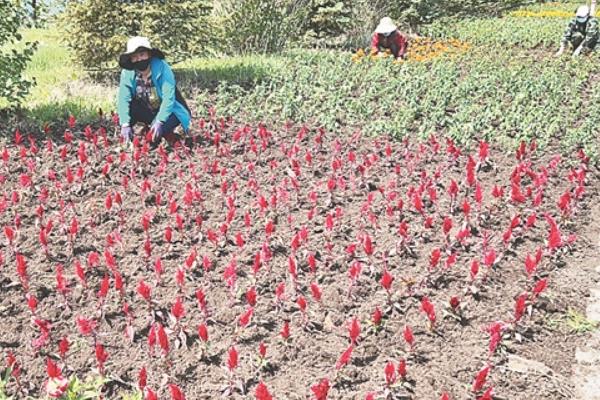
<point x="13" y="58"/>
<point x="97" y="30"/>
<point x="327" y="22"/>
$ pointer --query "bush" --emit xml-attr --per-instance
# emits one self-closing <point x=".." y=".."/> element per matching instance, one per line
<point x="97" y="30"/>
<point x="255" y="26"/>
<point x="13" y="61"/>
<point x="327" y="22"/>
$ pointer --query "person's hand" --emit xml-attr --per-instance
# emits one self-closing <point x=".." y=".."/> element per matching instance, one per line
<point x="157" y="130"/>
<point x="126" y="133"/>
<point x="560" y="51"/>
<point x="577" y="51"/>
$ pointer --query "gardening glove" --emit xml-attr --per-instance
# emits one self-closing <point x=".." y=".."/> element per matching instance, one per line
<point x="577" y="52"/>
<point x="157" y="130"/>
<point x="560" y="51"/>
<point x="126" y="133"/>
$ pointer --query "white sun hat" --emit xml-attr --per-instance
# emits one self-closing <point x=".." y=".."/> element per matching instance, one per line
<point x="134" y="44"/>
<point x="583" y="12"/>
<point x="386" y="25"/>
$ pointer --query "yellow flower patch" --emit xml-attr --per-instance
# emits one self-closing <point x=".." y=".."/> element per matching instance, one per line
<point x="419" y="50"/>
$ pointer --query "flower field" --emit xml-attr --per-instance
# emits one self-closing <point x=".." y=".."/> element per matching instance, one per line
<point x="336" y="226"/>
<point x="283" y="264"/>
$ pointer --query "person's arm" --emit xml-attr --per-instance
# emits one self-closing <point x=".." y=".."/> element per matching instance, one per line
<point x="375" y="43"/>
<point x="566" y="38"/>
<point x="591" y="34"/>
<point x="568" y="33"/>
<point x="167" y="102"/>
<point x="124" y="99"/>
<point x="402" y="45"/>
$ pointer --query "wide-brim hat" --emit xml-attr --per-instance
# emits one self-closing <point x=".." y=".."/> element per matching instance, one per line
<point x="386" y="25"/>
<point x="582" y="14"/>
<point x="135" y="44"/>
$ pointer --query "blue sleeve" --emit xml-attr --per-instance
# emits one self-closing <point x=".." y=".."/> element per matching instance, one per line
<point x="125" y="96"/>
<point x="167" y="85"/>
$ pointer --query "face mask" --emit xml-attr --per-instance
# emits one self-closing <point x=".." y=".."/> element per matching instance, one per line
<point x="141" y="65"/>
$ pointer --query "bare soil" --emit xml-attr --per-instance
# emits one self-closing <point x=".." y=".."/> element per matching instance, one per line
<point x="208" y="181"/>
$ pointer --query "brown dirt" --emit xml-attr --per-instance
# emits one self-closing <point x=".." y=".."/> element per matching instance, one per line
<point x="446" y="358"/>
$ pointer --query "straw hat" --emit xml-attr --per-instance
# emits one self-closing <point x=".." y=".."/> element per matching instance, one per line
<point x="134" y="44"/>
<point x="386" y="25"/>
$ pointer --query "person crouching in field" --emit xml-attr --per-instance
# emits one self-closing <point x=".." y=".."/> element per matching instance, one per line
<point x="582" y="33"/>
<point x="148" y="93"/>
<point x="388" y="37"/>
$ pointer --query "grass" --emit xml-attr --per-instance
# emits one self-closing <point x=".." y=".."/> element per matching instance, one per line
<point x="62" y="88"/>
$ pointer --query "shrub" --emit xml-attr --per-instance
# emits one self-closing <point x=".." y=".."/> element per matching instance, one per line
<point x="97" y="30"/>
<point x="13" y="86"/>
<point x="255" y="26"/>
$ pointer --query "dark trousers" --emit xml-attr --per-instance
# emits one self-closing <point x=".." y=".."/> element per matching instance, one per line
<point x="140" y="112"/>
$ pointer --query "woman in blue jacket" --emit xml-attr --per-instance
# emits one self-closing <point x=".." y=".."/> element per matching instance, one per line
<point x="148" y="93"/>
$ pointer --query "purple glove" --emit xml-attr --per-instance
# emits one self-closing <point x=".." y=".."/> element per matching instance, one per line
<point x="126" y="133"/>
<point x="157" y="128"/>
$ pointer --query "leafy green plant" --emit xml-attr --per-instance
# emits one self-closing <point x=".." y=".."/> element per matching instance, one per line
<point x="579" y="323"/>
<point x="13" y="61"/>
<point x="89" y="389"/>
<point x="4" y="378"/>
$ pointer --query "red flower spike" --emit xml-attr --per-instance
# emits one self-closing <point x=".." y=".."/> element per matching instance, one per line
<point x="86" y="326"/>
<point x="246" y="317"/>
<point x="63" y="347"/>
<point x="402" y="368"/>
<point x="321" y="390"/>
<point x="409" y="337"/>
<point x="144" y="290"/>
<point x="104" y="286"/>
<point x="203" y="332"/>
<point x="454" y="302"/>
<point x="377" y="317"/>
<point x="520" y="305"/>
<point x="480" y="379"/>
<point x="32" y="302"/>
<point x="285" y="331"/>
<point x="262" y="393"/>
<point x="251" y="296"/>
<point x="232" y="360"/>
<point x="487" y="395"/>
<point x="539" y="287"/>
<point x="163" y="339"/>
<point x="344" y="358"/>
<point x="101" y="357"/>
<point x="52" y="370"/>
<point x="262" y="350"/>
<point x="390" y="374"/>
<point x="176" y="393"/>
<point x="316" y="292"/>
<point x="386" y="280"/>
<point x="354" y="331"/>
<point x="177" y="309"/>
<point x="427" y="308"/>
<point x="142" y="379"/>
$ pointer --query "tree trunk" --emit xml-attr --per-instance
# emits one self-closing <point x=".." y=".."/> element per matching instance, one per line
<point x="34" y="11"/>
<point x="593" y="8"/>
